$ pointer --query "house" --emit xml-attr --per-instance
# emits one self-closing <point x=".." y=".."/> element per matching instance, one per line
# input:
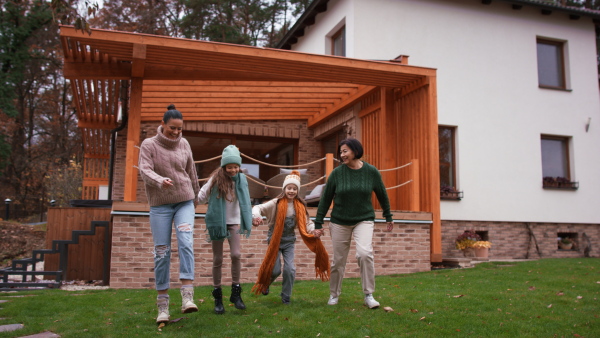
<point x="281" y="108"/>
<point x="518" y="109"/>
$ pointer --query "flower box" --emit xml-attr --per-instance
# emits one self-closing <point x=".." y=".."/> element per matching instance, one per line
<point x="559" y="183"/>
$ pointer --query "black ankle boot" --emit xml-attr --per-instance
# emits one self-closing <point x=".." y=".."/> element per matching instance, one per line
<point x="217" y="293"/>
<point x="236" y="297"/>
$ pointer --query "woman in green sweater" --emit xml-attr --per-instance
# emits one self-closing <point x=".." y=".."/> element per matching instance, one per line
<point x="350" y="187"/>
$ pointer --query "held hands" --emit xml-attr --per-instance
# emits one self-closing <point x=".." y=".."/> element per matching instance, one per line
<point x="256" y="221"/>
<point x="390" y="226"/>
<point x="318" y="233"/>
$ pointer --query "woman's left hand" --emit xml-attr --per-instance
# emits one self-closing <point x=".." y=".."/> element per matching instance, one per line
<point x="390" y="226"/>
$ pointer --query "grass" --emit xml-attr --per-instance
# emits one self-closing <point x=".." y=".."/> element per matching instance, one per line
<point x="545" y="298"/>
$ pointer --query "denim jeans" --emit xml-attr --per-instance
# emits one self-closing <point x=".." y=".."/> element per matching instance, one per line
<point x="286" y="249"/>
<point x="162" y="218"/>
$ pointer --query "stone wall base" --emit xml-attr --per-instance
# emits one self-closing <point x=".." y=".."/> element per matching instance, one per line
<point x="524" y="240"/>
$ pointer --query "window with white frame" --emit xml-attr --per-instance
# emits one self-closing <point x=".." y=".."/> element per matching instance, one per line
<point x="551" y="64"/>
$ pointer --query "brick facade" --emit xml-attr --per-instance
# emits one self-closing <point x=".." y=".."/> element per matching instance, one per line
<point x="512" y="239"/>
<point x="405" y="250"/>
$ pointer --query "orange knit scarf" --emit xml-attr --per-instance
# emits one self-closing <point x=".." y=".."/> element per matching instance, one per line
<point x="322" y="267"/>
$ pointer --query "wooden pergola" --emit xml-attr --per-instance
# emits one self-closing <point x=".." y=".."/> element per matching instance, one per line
<point x="218" y="82"/>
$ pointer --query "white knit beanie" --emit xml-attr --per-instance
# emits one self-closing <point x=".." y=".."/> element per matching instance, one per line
<point x="293" y="178"/>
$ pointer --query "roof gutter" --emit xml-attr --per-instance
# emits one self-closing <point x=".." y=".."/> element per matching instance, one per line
<point x="307" y="19"/>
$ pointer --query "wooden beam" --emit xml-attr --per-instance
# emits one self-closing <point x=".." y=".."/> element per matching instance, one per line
<point x="96" y="125"/>
<point x="139" y="60"/>
<point x="80" y="70"/>
<point x="346" y="102"/>
<point x="133" y="140"/>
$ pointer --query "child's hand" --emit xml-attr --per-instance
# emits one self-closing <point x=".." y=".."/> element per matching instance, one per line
<point x="256" y="221"/>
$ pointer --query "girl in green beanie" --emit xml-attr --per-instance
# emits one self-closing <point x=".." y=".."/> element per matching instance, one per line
<point x="229" y="215"/>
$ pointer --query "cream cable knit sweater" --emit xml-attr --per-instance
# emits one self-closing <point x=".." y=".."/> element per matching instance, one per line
<point x="162" y="158"/>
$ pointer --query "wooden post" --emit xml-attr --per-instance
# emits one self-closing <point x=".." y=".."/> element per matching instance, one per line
<point x="415" y="189"/>
<point x="133" y="140"/>
<point x="388" y="160"/>
<point x="328" y="165"/>
<point x="433" y="171"/>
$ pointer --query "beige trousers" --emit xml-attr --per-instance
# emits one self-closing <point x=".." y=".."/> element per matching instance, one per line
<point x="341" y="236"/>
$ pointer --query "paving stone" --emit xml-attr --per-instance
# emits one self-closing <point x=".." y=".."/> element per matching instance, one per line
<point x="11" y="327"/>
<point x="3" y="301"/>
<point x="46" y="334"/>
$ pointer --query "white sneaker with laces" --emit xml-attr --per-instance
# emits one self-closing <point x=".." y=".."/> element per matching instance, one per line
<point x="371" y="302"/>
<point x="332" y="300"/>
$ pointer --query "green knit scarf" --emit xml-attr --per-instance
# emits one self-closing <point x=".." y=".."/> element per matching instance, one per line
<point x="215" y="214"/>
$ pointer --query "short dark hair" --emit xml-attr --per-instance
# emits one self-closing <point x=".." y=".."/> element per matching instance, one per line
<point x="172" y="113"/>
<point x="354" y="145"/>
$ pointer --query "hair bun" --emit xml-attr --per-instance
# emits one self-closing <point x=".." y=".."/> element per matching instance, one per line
<point x="171" y="107"/>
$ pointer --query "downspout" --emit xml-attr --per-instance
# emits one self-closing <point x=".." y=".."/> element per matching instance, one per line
<point x="124" y="98"/>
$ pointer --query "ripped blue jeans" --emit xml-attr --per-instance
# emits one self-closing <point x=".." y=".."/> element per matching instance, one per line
<point x="162" y="218"/>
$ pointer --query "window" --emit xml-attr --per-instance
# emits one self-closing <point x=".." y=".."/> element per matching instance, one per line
<point x="551" y="64"/>
<point x="446" y="136"/>
<point x="338" y="42"/>
<point x="555" y="162"/>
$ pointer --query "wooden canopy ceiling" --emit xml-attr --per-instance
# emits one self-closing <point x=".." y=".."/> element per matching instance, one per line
<point x="218" y="81"/>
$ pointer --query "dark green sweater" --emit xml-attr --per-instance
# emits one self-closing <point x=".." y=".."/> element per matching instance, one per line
<point x="351" y="192"/>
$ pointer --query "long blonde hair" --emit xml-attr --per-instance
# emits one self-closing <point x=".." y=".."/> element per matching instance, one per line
<point x="224" y="184"/>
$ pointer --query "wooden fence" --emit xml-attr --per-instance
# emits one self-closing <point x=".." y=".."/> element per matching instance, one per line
<point x="86" y="258"/>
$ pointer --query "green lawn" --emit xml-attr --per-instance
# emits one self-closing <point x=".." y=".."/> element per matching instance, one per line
<point x="545" y="298"/>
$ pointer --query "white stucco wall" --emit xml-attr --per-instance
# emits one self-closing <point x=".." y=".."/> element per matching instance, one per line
<point x="488" y="87"/>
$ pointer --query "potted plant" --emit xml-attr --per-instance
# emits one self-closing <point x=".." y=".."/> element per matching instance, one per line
<point x="448" y="192"/>
<point x="565" y="243"/>
<point x="482" y="248"/>
<point x="464" y="242"/>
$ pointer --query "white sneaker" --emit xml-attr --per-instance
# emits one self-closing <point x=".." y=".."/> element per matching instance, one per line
<point x="187" y="300"/>
<point x="332" y="300"/>
<point x="163" y="311"/>
<point x="371" y="302"/>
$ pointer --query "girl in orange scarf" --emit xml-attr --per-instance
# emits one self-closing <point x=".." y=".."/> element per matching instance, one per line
<point x="284" y="213"/>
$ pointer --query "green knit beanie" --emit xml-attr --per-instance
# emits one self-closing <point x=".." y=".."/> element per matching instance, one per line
<point x="231" y="154"/>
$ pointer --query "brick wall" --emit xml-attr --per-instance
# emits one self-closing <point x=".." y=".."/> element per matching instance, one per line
<point x="512" y="239"/>
<point x="405" y="250"/>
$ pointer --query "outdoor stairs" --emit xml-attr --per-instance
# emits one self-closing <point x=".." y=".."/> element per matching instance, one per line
<point x="19" y="267"/>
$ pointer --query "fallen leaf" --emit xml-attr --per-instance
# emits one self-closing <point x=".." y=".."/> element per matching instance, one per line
<point x="579" y="297"/>
<point x="256" y="320"/>
<point x="549" y="306"/>
<point x="458" y="296"/>
<point x="421" y="318"/>
<point x="318" y="335"/>
<point x="176" y="320"/>
<point x="414" y="310"/>
<point x="161" y="325"/>
<point x="388" y="309"/>
<point x="531" y="288"/>
<point x="560" y="294"/>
